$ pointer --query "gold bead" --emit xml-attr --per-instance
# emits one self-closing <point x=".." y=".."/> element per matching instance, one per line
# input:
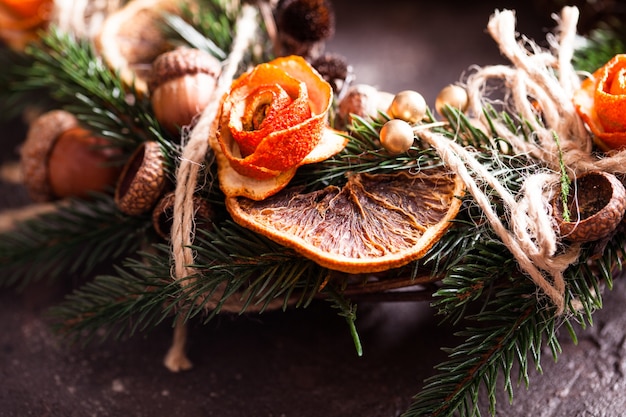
<point x="409" y="106"/>
<point x="396" y="136"/>
<point x="453" y="96"/>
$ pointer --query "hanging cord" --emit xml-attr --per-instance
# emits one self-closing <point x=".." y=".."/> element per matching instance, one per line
<point x="191" y="163"/>
<point x="540" y="86"/>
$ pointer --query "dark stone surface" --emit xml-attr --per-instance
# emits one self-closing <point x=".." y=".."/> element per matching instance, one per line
<point x="302" y="363"/>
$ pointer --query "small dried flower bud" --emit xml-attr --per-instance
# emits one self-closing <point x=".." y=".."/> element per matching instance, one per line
<point x="304" y="25"/>
<point x="334" y="69"/>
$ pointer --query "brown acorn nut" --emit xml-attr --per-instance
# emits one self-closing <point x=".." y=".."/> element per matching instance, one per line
<point x="596" y="203"/>
<point x="181" y="85"/>
<point x="163" y="213"/>
<point x="142" y="180"/>
<point x="60" y="159"/>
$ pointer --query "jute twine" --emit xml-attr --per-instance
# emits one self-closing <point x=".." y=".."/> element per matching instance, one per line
<point x="195" y="151"/>
<point x="538" y="86"/>
<point x="189" y="169"/>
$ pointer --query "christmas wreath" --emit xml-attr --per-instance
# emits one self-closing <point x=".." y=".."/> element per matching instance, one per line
<point x="223" y="162"/>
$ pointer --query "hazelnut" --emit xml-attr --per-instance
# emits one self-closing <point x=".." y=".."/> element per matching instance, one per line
<point x="596" y="204"/>
<point x="181" y="85"/>
<point x="61" y="159"/>
<point x="142" y="180"/>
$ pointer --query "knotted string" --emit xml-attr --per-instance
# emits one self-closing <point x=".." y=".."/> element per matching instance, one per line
<point x="539" y="87"/>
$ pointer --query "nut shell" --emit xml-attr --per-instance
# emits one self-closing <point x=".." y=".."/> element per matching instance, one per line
<point x="142" y="180"/>
<point x="40" y="140"/>
<point x="596" y="207"/>
<point x="164" y="210"/>
<point x="182" y="84"/>
<point x="181" y="62"/>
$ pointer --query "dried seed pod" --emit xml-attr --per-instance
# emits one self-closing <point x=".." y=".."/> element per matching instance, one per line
<point x="163" y="214"/>
<point x="142" y="181"/>
<point x="596" y="207"/>
<point x="61" y="159"/>
<point x="181" y="85"/>
<point x="304" y="25"/>
<point x="334" y="69"/>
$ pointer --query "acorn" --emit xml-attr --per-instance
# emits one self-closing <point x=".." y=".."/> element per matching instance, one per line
<point x="61" y="159"/>
<point x="142" y="181"/>
<point x="163" y="214"/>
<point x="181" y="85"/>
<point x="596" y="207"/>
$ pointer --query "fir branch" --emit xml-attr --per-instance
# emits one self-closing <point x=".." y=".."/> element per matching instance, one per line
<point x="598" y="48"/>
<point x="74" y="239"/>
<point x="364" y="154"/>
<point x="13" y="102"/>
<point x="347" y="310"/>
<point x="215" y="19"/>
<point x="252" y="268"/>
<point x="78" y="79"/>
<point x="513" y="325"/>
<point x="137" y="299"/>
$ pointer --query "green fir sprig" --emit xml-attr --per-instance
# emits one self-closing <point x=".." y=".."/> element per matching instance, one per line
<point x="78" y="79"/>
<point x="74" y="239"/>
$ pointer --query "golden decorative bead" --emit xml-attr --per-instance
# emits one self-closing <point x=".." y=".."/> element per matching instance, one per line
<point x="453" y="96"/>
<point x="409" y="106"/>
<point x="396" y="136"/>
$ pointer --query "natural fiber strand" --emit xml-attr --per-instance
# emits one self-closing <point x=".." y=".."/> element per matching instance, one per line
<point x="191" y="163"/>
<point x="538" y="87"/>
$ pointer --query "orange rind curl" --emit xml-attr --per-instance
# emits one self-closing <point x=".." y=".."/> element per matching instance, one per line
<point x="273" y="120"/>
<point x="601" y="103"/>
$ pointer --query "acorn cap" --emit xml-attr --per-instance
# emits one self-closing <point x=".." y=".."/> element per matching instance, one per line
<point x="596" y="209"/>
<point x="163" y="213"/>
<point x="40" y="139"/>
<point x="142" y="180"/>
<point x="180" y="62"/>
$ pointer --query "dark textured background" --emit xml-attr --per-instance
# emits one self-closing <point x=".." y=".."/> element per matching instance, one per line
<point x="302" y="363"/>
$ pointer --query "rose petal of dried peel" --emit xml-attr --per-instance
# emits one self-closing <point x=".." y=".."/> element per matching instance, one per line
<point x="273" y="121"/>
<point x="601" y="103"/>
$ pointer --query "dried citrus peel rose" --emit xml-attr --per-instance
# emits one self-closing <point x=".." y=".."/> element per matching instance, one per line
<point x="601" y="103"/>
<point x="273" y="121"/>
<point x="373" y="223"/>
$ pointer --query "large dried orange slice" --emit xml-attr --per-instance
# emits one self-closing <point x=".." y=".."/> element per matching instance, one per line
<point x="131" y="38"/>
<point x="374" y="223"/>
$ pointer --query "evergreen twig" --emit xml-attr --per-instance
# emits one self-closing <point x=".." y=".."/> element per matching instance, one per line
<point x="74" y="239"/>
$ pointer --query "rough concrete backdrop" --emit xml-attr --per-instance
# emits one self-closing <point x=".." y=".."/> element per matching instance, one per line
<point x="302" y="363"/>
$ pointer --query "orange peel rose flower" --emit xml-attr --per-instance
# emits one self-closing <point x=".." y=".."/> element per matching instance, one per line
<point x="601" y="103"/>
<point x="273" y="120"/>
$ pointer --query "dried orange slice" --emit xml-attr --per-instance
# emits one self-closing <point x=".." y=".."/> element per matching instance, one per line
<point x="132" y="37"/>
<point x="374" y="223"/>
